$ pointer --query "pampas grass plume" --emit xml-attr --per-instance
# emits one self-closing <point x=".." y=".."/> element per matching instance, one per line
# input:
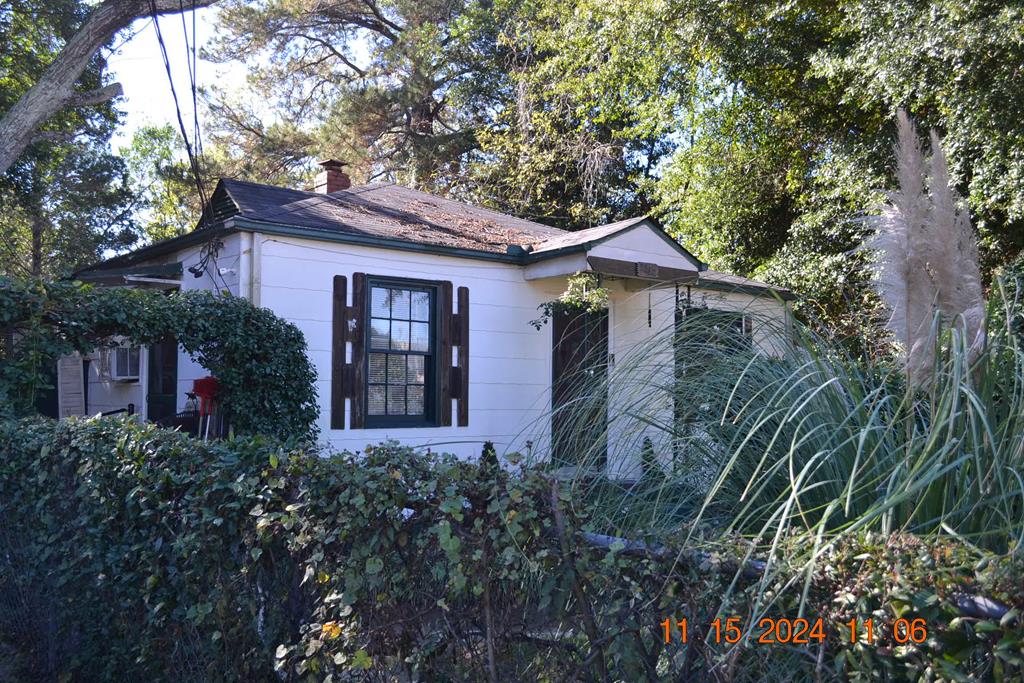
<point x="925" y="257"/>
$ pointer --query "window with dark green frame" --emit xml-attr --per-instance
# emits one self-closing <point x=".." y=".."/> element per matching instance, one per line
<point x="400" y="388"/>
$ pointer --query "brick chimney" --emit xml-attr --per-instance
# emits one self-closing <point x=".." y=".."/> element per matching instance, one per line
<point x="333" y="177"/>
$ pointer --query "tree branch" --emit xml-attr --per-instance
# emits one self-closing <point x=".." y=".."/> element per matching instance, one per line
<point x="97" y="96"/>
<point x="53" y="136"/>
<point x="55" y="88"/>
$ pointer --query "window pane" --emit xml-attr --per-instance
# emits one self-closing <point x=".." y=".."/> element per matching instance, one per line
<point x="400" y="335"/>
<point x="375" y="402"/>
<point x="420" y="340"/>
<point x="415" y="400"/>
<point x="380" y="303"/>
<point x="379" y="333"/>
<point x="396" y="400"/>
<point x="396" y="369"/>
<point x="416" y="371"/>
<point x="378" y="368"/>
<point x="421" y="306"/>
<point x="400" y="304"/>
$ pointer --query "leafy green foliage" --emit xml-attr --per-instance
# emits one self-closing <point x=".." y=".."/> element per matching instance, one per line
<point x="756" y="132"/>
<point x="163" y="181"/>
<point x="397" y="88"/>
<point x="259" y="359"/>
<point x="794" y="435"/>
<point x="67" y="198"/>
<point x="596" y="91"/>
<point x="824" y="81"/>
<point x="583" y="292"/>
<point x="134" y="553"/>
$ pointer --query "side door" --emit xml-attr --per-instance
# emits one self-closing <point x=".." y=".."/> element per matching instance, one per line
<point x="579" y="389"/>
<point x="162" y="382"/>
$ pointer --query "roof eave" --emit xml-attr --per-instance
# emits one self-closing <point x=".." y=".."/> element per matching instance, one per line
<point x="753" y="290"/>
<point x="286" y="230"/>
<point x="532" y="257"/>
<point x="162" y="248"/>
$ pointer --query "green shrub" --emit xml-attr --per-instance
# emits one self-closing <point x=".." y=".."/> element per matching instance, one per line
<point x="266" y="379"/>
<point x="133" y="553"/>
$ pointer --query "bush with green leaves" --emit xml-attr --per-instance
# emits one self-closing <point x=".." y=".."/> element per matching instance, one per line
<point x="129" y="553"/>
<point x="266" y="378"/>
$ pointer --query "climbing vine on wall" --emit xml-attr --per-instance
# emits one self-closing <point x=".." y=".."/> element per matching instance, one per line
<point x="259" y="359"/>
<point x="583" y="292"/>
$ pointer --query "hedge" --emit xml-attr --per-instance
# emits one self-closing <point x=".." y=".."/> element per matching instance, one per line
<point x="133" y="553"/>
<point x="266" y="378"/>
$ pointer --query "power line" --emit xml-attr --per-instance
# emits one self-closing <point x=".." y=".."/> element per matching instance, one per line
<point x="190" y="59"/>
<point x="208" y="252"/>
<point x="193" y="161"/>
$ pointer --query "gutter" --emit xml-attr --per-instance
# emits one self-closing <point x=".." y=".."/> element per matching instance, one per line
<point x="152" y="251"/>
<point x="753" y="290"/>
<point x="240" y="223"/>
<point x="516" y="256"/>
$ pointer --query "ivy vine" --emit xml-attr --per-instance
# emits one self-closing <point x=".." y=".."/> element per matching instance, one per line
<point x="583" y="293"/>
<point x="266" y="379"/>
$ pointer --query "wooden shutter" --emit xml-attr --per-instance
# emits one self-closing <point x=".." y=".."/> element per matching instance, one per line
<point x="339" y="338"/>
<point x="444" y="357"/>
<point x="461" y="383"/>
<point x="453" y="334"/>
<point x="70" y="386"/>
<point x="348" y="326"/>
<point x="357" y="321"/>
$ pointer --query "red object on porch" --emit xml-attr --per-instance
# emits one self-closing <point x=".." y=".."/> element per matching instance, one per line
<point x="206" y="389"/>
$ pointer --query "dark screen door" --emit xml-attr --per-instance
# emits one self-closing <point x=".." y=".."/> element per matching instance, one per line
<point x="162" y="390"/>
<point x="579" y="389"/>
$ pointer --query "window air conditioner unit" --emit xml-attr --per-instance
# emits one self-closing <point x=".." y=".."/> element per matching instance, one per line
<point x="126" y="364"/>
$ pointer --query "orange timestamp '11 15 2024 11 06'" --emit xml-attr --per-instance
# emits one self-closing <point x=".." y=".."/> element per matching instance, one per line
<point x="799" y="631"/>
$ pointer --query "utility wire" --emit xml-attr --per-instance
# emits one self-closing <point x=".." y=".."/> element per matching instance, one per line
<point x="208" y="253"/>
<point x="193" y="161"/>
<point x="190" y="59"/>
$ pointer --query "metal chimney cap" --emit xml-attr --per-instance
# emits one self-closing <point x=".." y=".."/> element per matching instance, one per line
<point x="332" y="164"/>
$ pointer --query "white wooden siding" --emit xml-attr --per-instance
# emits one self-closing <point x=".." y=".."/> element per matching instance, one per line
<point x="643" y="244"/>
<point x="644" y="362"/>
<point x="510" y="361"/>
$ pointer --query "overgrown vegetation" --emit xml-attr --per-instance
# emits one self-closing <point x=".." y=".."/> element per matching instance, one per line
<point x="584" y="293"/>
<point x="756" y="131"/>
<point x="134" y="553"/>
<point x="808" y="439"/>
<point x="266" y="379"/>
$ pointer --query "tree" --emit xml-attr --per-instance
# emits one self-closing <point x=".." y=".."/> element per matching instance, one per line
<point x="596" y="90"/>
<point x="772" y="124"/>
<point x="55" y="89"/>
<point x="832" y="76"/>
<point x="65" y="199"/>
<point x="398" y="88"/>
<point x="168" y="204"/>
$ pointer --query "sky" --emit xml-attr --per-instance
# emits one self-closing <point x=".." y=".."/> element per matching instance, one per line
<point x="138" y="65"/>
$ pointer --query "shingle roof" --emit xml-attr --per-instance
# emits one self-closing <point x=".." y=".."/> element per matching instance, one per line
<point x="399" y="214"/>
<point x="388" y="211"/>
<point x="580" y="237"/>
<point x="728" y="281"/>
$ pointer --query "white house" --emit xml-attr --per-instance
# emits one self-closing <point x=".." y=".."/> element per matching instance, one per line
<point x="416" y="309"/>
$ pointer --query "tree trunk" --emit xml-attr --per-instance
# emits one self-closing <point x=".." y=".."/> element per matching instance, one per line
<point x="55" y="89"/>
<point x="38" y="228"/>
